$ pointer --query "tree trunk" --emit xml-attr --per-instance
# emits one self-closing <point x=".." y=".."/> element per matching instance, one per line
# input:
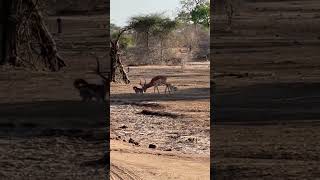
<point x="13" y="41"/>
<point x="48" y="46"/>
<point x="117" y="69"/>
<point x="161" y="49"/>
<point x="2" y="22"/>
<point x="9" y="53"/>
<point x="147" y="39"/>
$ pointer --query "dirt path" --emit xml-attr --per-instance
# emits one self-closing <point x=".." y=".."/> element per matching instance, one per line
<point x="156" y="165"/>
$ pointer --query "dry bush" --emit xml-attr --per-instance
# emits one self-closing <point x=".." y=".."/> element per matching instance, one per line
<point x="169" y="53"/>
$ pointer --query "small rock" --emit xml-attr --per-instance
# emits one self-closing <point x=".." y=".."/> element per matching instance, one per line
<point x="168" y="149"/>
<point x="123" y="127"/>
<point x="152" y="146"/>
<point x="191" y="139"/>
<point x="133" y="142"/>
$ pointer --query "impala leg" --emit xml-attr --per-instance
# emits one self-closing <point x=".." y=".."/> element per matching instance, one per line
<point x="158" y="90"/>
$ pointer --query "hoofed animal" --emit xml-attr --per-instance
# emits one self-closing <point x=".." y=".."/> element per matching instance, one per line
<point x="89" y="91"/>
<point x="138" y="90"/>
<point x="170" y="88"/>
<point x="155" y="82"/>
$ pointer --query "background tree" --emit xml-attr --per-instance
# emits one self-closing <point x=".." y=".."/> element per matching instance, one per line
<point x="201" y="14"/>
<point x="150" y="26"/>
<point x="117" y="69"/>
<point x="157" y="39"/>
<point x="154" y="25"/>
<point x="195" y="12"/>
<point x="126" y="39"/>
<point x="162" y="29"/>
<point x="144" y="25"/>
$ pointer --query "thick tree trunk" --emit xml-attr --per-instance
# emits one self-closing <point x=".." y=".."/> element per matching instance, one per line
<point x="9" y="46"/>
<point x="117" y="69"/>
<point x="13" y="21"/>
<point x="2" y="21"/>
<point x="48" y="46"/>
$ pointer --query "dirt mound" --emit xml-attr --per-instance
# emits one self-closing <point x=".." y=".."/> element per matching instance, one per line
<point x="159" y="113"/>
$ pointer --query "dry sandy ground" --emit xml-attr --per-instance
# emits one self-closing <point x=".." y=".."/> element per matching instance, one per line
<point x="266" y="74"/>
<point x="129" y="162"/>
<point x="182" y="140"/>
<point x="49" y="135"/>
<point x="53" y="156"/>
<point x="45" y="131"/>
<point x="267" y="152"/>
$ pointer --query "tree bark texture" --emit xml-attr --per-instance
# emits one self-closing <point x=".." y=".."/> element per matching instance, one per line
<point x="23" y="26"/>
<point x="9" y="28"/>
<point x="117" y="69"/>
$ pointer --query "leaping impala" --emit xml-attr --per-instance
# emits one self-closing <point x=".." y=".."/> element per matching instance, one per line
<point x="155" y="82"/>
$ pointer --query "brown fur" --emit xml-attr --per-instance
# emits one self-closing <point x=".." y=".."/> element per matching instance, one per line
<point x="155" y="82"/>
<point x="89" y="91"/>
<point x="138" y="90"/>
<point x="170" y="88"/>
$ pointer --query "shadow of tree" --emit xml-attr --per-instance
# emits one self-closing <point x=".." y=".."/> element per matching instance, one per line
<point x="267" y="103"/>
<point x="54" y="115"/>
<point x="192" y="94"/>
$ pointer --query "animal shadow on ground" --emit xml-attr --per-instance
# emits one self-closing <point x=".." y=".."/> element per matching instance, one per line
<point x="267" y="103"/>
<point x="181" y="94"/>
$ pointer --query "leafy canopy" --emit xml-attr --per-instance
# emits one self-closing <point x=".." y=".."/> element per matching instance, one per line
<point x="125" y="40"/>
<point x="155" y="24"/>
<point x="195" y="11"/>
